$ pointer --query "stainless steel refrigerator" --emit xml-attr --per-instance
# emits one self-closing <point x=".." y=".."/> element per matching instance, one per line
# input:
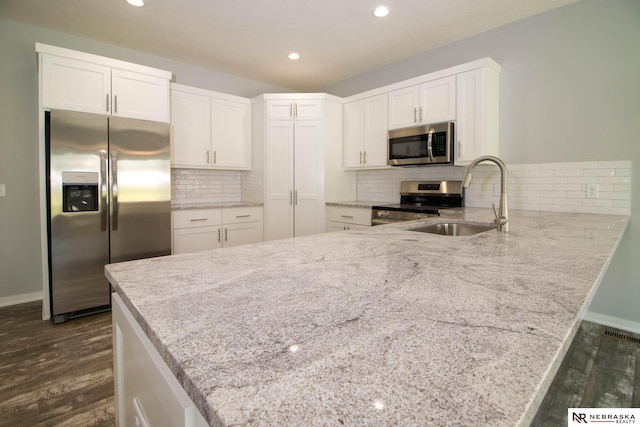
<point x="109" y="194"/>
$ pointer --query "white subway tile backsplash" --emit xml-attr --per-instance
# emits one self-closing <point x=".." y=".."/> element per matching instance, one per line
<point x="545" y="186"/>
<point x="205" y="186"/>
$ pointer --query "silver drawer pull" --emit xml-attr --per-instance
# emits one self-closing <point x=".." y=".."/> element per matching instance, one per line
<point x="347" y="216"/>
<point x="243" y="216"/>
<point x="199" y="219"/>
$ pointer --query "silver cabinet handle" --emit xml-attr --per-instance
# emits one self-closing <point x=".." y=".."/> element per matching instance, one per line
<point x="218" y="235"/>
<point x="198" y="219"/>
<point x="114" y="190"/>
<point x="415" y="115"/>
<point x="295" y="109"/>
<point x="103" y="191"/>
<point x="347" y="216"/>
<point x="295" y="196"/>
<point x="365" y="157"/>
<point x="207" y="156"/>
<point x="420" y="115"/>
<point x="243" y="216"/>
<point x="291" y="109"/>
<point x="115" y="104"/>
<point x="226" y="235"/>
<point x="107" y="96"/>
<point x="215" y="157"/>
<point x="290" y="197"/>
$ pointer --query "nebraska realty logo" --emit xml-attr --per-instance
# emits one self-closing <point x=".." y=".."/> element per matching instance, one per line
<point x="582" y="416"/>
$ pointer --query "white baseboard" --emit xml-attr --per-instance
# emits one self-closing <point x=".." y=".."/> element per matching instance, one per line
<point x="614" y="322"/>
<point x="20" y="299"/>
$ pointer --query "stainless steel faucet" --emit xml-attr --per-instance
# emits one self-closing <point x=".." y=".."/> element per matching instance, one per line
<point x="502" y="216"/>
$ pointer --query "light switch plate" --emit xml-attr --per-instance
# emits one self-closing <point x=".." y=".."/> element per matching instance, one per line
<point x="3" y="190"/>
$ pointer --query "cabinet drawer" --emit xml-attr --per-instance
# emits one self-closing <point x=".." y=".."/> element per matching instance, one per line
<point x="239" y="215"/>
<point x="348" y="215"/>
<point x="196" y="218"/>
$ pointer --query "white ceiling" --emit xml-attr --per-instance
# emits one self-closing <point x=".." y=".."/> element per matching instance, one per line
<point x="337" y="39"/>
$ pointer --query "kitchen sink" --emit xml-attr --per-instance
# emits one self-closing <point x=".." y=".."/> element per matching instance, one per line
<point x="454" y="229"/>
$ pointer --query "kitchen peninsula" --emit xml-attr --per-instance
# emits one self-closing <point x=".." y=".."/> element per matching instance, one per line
<point x="382" y="326"/>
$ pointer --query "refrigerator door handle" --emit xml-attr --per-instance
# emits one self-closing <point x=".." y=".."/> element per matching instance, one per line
<point x="103" y="191"/>
<point x="114" y="190"/>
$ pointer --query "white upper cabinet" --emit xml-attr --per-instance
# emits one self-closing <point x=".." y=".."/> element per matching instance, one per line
<point x="429" y="102"/>
<point x="294" y="109"/>
<point x="477" y="115"/>
<point x="77" y="81"/>
<point x="365" y="133"/>
<point x="210" y="129"/>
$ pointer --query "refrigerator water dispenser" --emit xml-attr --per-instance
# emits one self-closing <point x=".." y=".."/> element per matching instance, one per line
<point x="80" y="191"/>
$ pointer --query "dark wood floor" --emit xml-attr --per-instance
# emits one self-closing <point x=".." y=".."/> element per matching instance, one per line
<point x="63" y="374"/>
<point x="55" y="375"/>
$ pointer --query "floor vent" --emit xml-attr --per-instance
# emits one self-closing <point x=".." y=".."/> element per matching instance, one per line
<point x="620" y="336"/>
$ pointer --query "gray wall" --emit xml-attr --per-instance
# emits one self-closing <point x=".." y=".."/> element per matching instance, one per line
<point x="569" y="91"/>
<point x="20" y="259"/>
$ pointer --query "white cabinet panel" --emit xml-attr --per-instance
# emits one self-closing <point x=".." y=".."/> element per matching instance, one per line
<point x="197" y="239"/>
<point x="139" y="96"/>
<point x="190" y="115"/>
<point x="403" y="104"/>
<point x="279" y="180"/>
<point x="146" y="391"/>
<point x="430" y="102"/>
<point x="68" y="84"/>
<point x="242" y="233"/>
<point x="341" y="218"/>
<point x="231" y="134"/>
<point x="308" y="175"/>
<point x="477" y="115"/>
<point x="365" y="133"/>
<point x="294" y="109"/>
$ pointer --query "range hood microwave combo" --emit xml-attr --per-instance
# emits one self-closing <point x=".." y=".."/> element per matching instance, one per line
<point x="431" y="144"/>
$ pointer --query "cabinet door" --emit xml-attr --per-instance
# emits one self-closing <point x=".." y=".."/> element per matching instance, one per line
<point x="231" y="134"/>
<point x="191" y="119"/>
<point x="403" y="107"/>
<point x="68" y="84"/>
<point x="477" y="115"/>
<point x="279" y="180"/>
<point x="280" y="109"/>
<point x="242" y="234"/>
<point x="140" y="96"/>
<point x="438" y="101"/>
<point x="375" y="131"/>
<point x="308" y="174"/>
<point x="307" y="109"/>
<point x="196" y="239"/>
<point x="354" y="134"/>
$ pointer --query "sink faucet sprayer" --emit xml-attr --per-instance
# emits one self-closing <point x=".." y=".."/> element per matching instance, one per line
<point x="502" y="216"/>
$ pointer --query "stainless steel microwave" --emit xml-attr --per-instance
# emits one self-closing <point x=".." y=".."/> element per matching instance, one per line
<point x="422" y="145"/>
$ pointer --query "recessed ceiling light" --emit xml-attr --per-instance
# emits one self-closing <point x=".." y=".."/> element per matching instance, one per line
<point x="136" y="3"/>
<point x="381" y="11"/>
<point x="294" y="56"/>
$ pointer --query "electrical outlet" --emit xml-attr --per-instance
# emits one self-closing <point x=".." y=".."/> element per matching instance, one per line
<point x="3" y="190"/>
<point x="496" y="189"/>
<point x="592" y="191"/>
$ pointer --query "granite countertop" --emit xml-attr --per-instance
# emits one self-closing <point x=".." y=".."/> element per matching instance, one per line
<point x="382" y="326"/>
<point x="213" y="205"/>
<point x="358" y="204"/>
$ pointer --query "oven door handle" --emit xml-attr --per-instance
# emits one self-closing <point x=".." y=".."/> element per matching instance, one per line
<point x="430" y="144"/>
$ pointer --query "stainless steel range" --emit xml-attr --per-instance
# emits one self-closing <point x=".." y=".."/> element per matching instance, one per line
<point x="420" y="199"/>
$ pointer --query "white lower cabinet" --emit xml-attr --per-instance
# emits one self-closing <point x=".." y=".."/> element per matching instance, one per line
<point x="202" y="229"/>
<point x="146" y="391"/>
<point x="341" y="218"/>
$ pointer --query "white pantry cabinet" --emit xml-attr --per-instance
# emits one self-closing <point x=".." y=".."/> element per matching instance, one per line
<point x="202" y="229"/>
<point x="476" y="115"/>
<point x="76" y="81"/>
<point x="146" y="391"/>
<point x="298" y="162"/>
<point x="340" y="218"/>
<point x="210" y="129"/>
<point x="365" y="133"/>
<point x="429" y="102"/>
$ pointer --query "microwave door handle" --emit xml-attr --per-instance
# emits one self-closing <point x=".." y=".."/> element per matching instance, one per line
<point x="430" y="145"/>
